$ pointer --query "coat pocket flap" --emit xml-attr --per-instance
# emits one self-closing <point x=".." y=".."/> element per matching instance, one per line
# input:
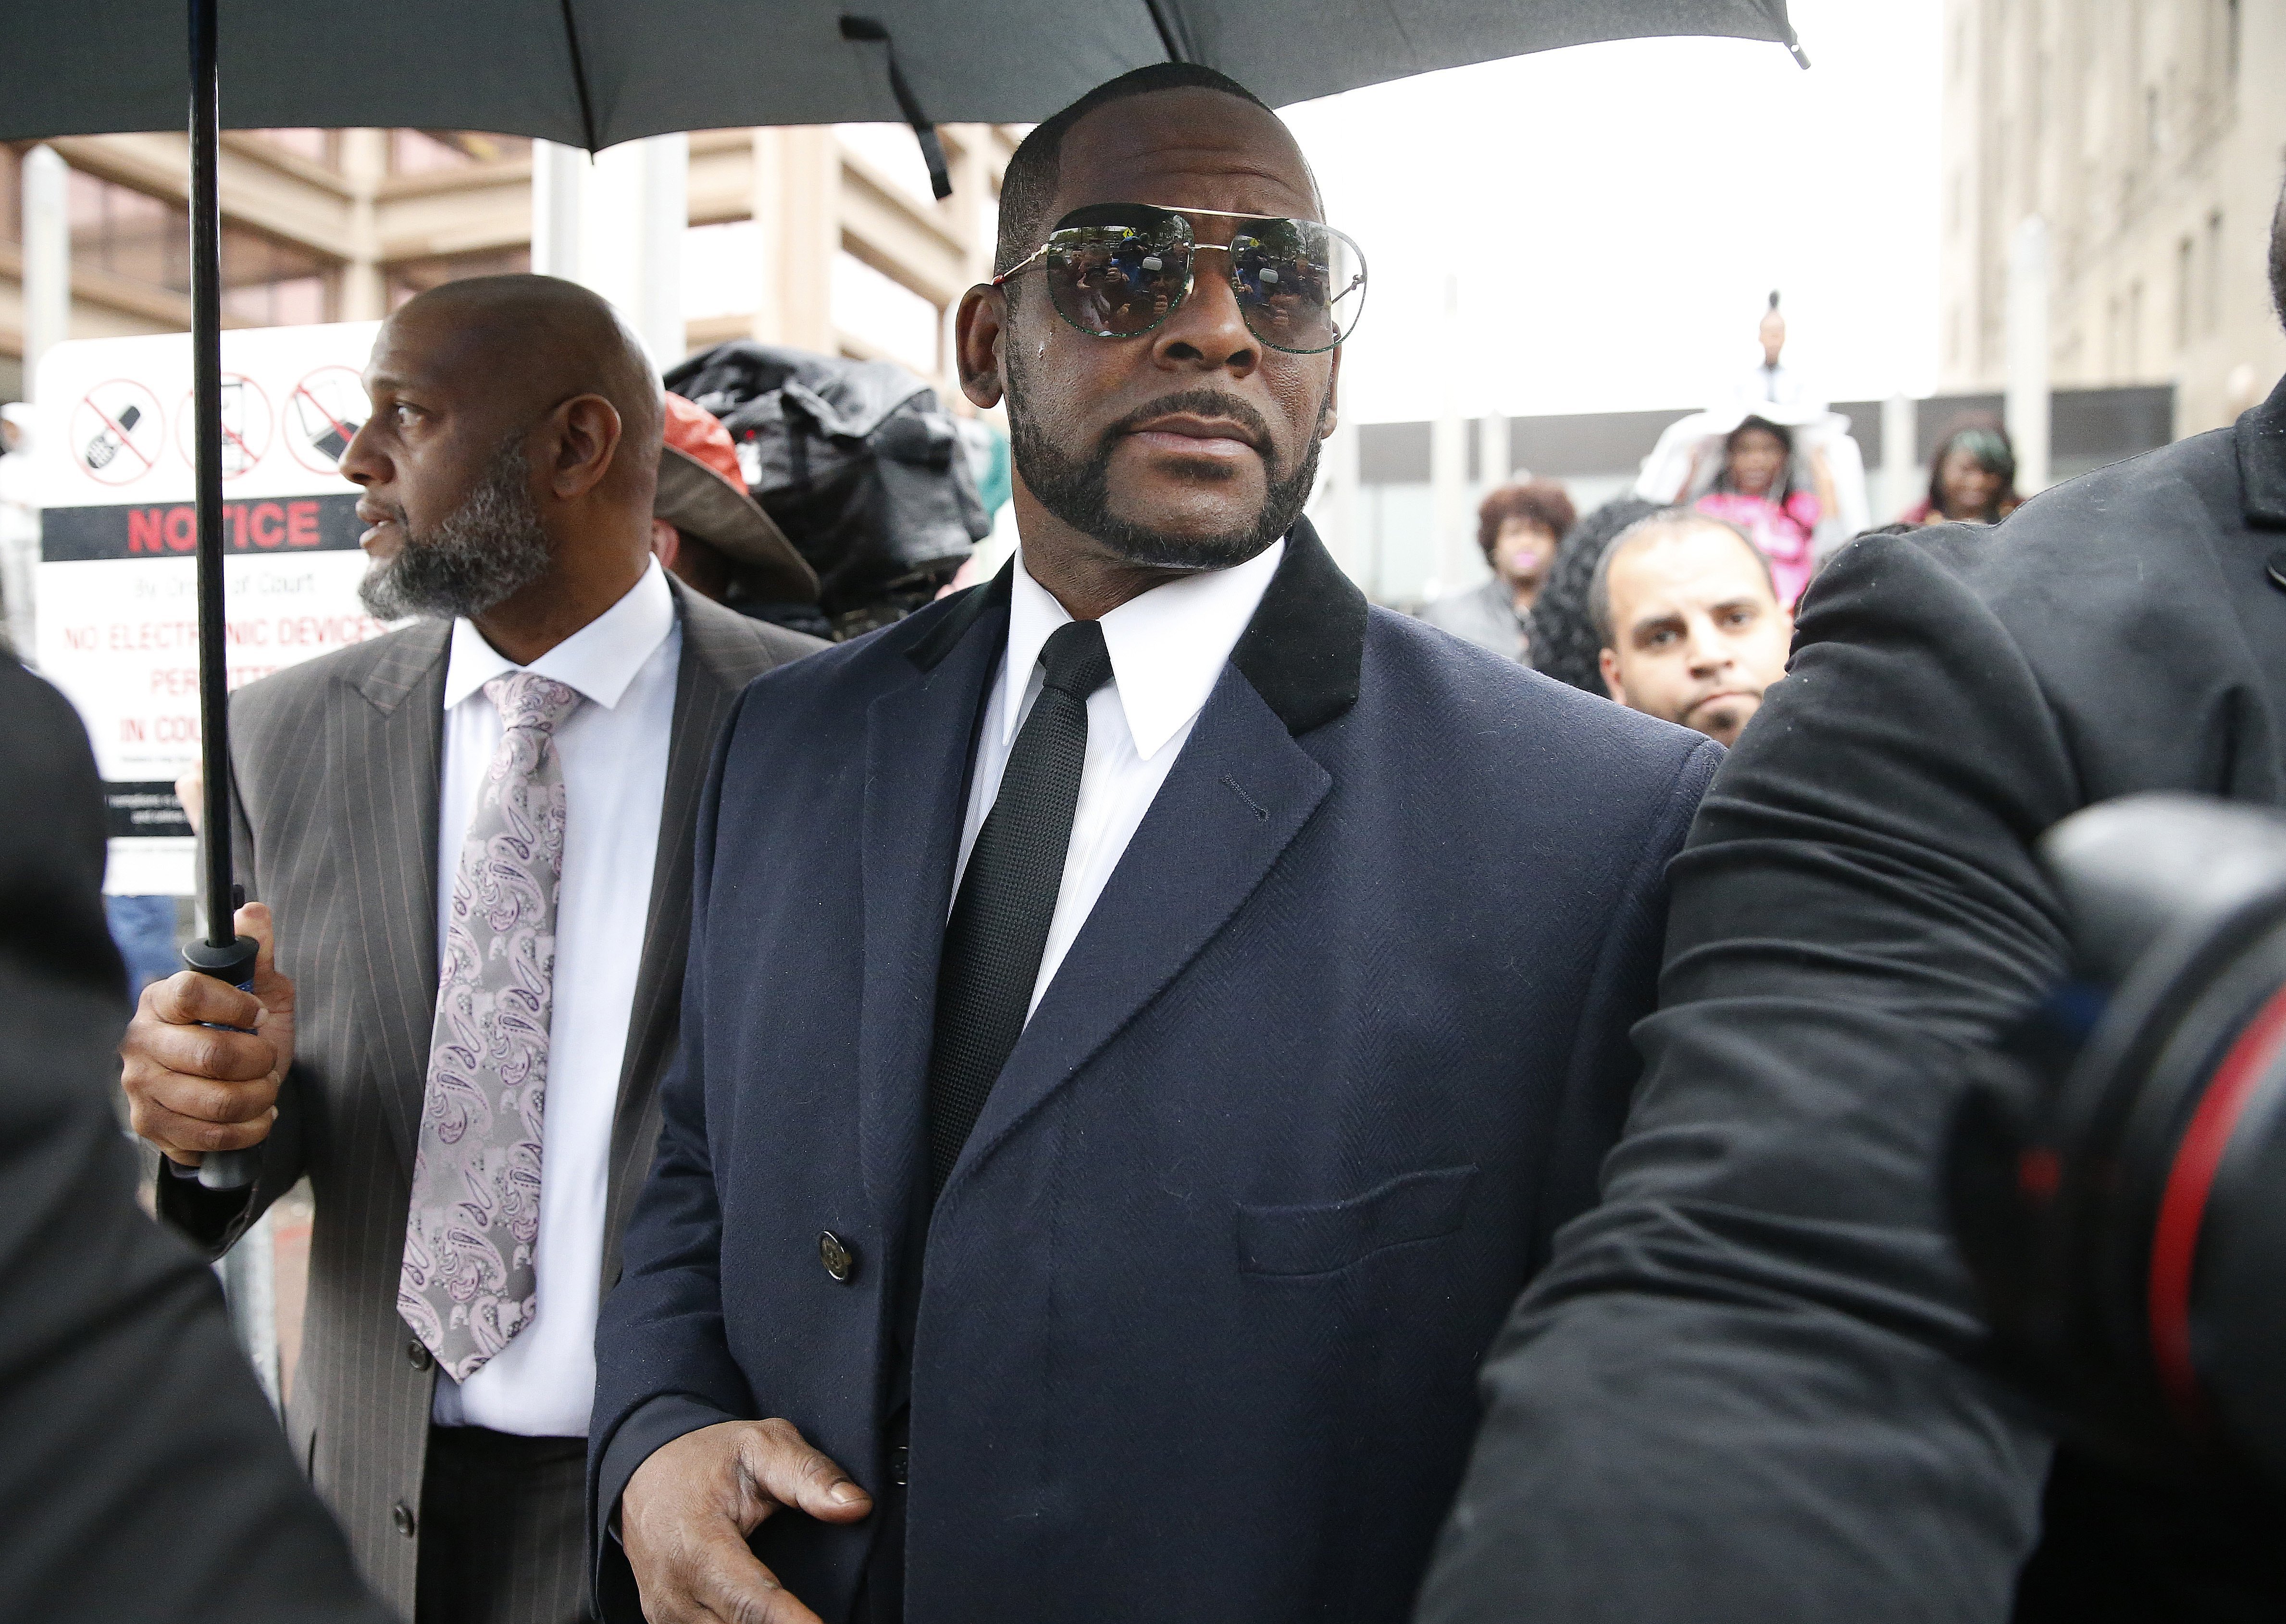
<point x="1319" y="1237"/>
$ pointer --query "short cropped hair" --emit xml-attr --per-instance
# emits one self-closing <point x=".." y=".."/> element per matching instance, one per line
<point x="1028" y="186"/>
<point x="1667" y="521"/>
<point x="1542" y="501"/>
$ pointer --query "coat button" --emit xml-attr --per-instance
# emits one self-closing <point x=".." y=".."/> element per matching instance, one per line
<point x="840" y="1262"/>
<point x="901" y="1464"/>
<point x="417" y="1355"/>
<point x="401" y="1515"/>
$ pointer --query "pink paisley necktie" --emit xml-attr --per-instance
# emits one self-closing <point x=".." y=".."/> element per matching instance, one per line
<point x="468" y="1283"/>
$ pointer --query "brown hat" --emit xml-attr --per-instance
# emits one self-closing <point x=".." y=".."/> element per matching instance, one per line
<point x="701" y="492"/>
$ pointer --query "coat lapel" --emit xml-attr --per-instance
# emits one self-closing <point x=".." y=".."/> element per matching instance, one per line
<point x="1236" y="799"/>
<point x="1238" y="794"/>
<point x="719" y="659"/>
<point x="919" y="743"/>
<point x="384" y="745"/>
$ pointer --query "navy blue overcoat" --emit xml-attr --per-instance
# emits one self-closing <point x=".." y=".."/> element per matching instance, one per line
<point x="1341" y="1045"/>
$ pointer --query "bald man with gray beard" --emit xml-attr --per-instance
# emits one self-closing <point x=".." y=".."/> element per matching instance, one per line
<point x="469" y="843"/>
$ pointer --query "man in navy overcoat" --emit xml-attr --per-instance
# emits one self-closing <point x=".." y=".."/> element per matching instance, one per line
<point x="1145" y="1016"/>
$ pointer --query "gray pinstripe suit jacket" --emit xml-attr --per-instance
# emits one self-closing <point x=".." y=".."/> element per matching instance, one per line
<point x="337" y="764"/>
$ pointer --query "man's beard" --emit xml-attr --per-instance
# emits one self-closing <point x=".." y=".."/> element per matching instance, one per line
<point x="489" y="547"/>
<point x="1079" y="490"/>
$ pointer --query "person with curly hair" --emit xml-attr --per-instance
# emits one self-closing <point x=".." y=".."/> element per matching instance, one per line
<point x="1519" y="526"/>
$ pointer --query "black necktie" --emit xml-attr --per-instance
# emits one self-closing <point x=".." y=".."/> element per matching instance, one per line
<point x="1007" y="899"/>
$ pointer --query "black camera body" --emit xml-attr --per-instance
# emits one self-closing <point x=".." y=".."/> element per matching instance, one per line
<point x="2117" y="1177"/>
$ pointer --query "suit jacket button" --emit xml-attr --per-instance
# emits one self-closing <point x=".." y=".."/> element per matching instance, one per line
<point x="840" y="1260"/>
<point x="417" y="1354"/>
<point x="401" y="1515"/>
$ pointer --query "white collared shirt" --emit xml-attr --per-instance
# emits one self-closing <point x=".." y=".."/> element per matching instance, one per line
<point x="1167" y="647"/>
<point x="613" y="750"/>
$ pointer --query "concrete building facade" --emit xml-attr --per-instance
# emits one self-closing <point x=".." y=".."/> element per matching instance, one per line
<point x="2150" y="136"/>
<point x="823" y="237"/>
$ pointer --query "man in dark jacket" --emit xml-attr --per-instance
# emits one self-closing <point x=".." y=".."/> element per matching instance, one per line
<point x="144" y="1477"/>
<point x="1145" y="1016"/>
<point x="1743" y="1392"/>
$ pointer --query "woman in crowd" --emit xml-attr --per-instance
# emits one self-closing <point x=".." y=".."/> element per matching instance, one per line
<point x="1971" y="476"/>
<point x="1518" y="526"/>
<point x="1756" y="490"/>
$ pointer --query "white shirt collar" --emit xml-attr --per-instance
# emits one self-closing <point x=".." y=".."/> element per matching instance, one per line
<point x="599" y="659"/>
<point x="1167" y="646"/>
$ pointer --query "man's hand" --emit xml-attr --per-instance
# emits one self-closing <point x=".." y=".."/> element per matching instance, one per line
<point x="192" y="1089"/>
<point x="687" y="1511"/>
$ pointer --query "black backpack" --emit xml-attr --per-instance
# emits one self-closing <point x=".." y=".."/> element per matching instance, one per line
<point x="858" y="464"/>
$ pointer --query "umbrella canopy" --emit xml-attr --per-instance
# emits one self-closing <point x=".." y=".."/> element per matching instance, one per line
<point x="594" y="73"/>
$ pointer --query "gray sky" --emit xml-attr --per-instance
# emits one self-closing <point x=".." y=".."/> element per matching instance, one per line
<point x="1618" y="214"/>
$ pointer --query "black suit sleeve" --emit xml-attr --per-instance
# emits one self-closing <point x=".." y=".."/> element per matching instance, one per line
<point x="1736" y="1392"/>
<point x="144" y="1476"/>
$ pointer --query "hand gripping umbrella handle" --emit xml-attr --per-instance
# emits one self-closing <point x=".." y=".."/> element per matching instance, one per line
<point x="225" y="1169"/>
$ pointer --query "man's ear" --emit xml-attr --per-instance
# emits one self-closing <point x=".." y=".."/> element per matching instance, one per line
<point x="1329" y="415"/>
<point x="978" y="332"/>
<point x="582" y="436"/>
<point x="1610" y="662"/>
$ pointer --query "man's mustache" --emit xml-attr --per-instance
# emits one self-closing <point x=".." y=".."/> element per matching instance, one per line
<point x="1199" y="403"/>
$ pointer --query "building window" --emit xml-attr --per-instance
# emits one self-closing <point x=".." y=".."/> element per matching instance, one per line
<point x="2132" y="344"/>
<point x="424" y="151"/>
<point x="319" y="147"/>
<point x="721" y="270"/>
<point x="128" y="234"/>
<point x="273" y="284"/>
<point x="2185" y="250"/>
<point x="266" y="281"/>
<point x="2211" y="305"/>
<point x="410" y="277"/>
<point x="884" y="314"/>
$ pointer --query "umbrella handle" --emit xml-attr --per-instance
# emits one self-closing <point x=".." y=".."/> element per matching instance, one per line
<point x="226" y="1169"/>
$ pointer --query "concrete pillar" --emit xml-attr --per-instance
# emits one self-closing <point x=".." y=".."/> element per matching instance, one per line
<point x="665" y="215"/>
<point x="558" y="183"/>
<point x="768" y="208"/>
<point x="633" y="204"/>
<point x="1493" y="465"/>
<point x="809" y="235"/>
<point x="47" y="260"/>
<point x="365" y="166"/>
<point x="1900" y="456"/>
<point x="1457" y="561"/>
<point x="1334" y="506"/>
<point x="2028" y="399"/>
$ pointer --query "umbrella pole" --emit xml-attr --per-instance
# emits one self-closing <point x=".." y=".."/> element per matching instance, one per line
<point x="221" y="952"/>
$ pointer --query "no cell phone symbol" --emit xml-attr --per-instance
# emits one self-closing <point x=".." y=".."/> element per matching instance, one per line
<point x="116" y="431"/>
<point x="323" y="415"/>
<point x="245" y="425"/>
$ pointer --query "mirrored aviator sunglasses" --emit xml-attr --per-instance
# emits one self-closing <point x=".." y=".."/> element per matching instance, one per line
<point x="1118" y="270"/>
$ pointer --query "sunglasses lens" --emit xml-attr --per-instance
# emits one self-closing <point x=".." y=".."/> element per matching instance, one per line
<point x="1119" y="280"/>
<point x="1300" y="285"/>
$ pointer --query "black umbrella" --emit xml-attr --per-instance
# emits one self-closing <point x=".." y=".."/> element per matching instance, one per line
<point x="594" y="73"/>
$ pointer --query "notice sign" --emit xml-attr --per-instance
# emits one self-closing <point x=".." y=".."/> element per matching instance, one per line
<point x="117" y="590"/>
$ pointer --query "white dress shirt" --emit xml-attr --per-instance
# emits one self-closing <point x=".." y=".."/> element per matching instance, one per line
<point x="1167" y="647"/>
<point x="613" y="750"/>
